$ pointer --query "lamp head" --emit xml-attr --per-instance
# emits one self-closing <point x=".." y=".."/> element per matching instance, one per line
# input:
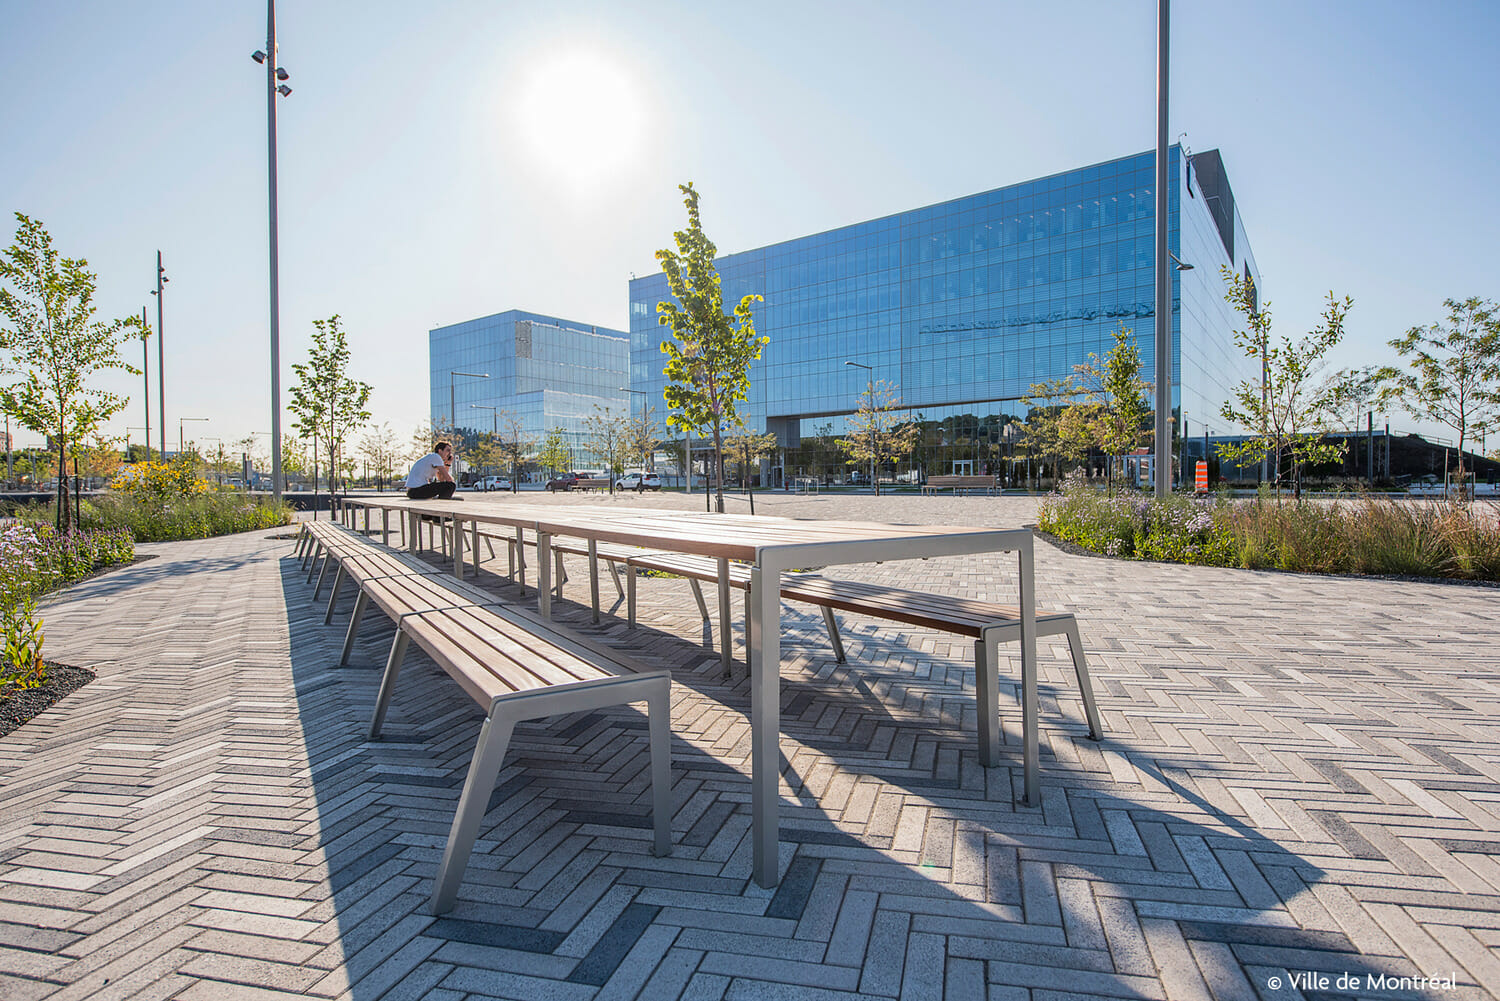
<point x="282" y="74"/>
<point x="284" y="90"/>
<point x="258" y="56"/>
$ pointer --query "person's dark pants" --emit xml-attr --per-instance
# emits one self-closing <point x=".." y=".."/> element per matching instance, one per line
<point x="436" y="489"/>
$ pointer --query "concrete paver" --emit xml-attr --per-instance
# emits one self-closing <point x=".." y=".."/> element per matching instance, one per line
<point x="1298" y="774"/>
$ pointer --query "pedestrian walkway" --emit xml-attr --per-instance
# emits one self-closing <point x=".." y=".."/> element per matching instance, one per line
<point x="1298" y="779"/>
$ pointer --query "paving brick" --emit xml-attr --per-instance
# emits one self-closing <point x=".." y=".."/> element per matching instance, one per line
<point x="1291" y="774"/>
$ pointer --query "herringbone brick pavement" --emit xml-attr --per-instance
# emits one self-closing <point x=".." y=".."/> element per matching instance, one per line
<point x="1298" y="781"/>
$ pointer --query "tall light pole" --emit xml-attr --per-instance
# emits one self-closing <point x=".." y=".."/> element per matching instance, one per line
<point x="494" y="423"/>
<point x="870" y="388"/>
<point x="276" y="78"/>
<point x="180" y="422"/>
<point x="645" y="397"/>
<point x="453" y="408"/>
<point x="161" y="365"/>
<point x="1163" y="460"/>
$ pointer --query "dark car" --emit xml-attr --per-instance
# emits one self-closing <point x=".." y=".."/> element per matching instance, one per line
<point x="562" y="481"/>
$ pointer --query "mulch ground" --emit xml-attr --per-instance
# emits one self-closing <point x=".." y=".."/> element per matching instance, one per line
<point x="62" y="680"/>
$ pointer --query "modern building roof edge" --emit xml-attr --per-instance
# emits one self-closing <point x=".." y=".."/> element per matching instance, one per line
<point x="523" y="314"/>
<point x="930" y="205"/>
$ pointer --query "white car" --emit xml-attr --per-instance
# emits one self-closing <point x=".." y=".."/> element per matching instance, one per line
<point x="639" y="482"/>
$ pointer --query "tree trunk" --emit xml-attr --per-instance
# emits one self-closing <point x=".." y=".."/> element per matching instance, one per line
<point x="64" y="520"/>
<point x="718" y="469"/>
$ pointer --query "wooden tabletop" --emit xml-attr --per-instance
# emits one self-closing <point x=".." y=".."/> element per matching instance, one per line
<point x="738" y="537"/>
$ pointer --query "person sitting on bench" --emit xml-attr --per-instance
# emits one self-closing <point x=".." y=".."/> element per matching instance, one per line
<point x="429" y="477"/>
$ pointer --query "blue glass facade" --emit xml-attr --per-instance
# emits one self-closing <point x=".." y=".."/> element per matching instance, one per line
<point x="546" y="371"/>
<point x="967" y="303"/>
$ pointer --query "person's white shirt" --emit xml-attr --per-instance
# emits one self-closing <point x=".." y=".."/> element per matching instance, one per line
<point x="425" y="470"/>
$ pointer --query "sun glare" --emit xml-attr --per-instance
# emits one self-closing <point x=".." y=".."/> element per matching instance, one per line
<point x="580" y="116"/>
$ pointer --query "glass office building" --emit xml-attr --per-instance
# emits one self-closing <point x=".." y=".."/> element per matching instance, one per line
<point x="545" y="371"/>
<point x="968" y="303"/>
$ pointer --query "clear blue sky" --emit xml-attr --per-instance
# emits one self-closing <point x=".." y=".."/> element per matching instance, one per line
<point x="449" y="160"/>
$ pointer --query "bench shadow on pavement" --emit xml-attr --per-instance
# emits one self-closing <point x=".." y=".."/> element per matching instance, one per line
<point x="925" y="879"/>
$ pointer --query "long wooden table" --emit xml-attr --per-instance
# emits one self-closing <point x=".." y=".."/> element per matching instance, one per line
<point x="772" y="546"/>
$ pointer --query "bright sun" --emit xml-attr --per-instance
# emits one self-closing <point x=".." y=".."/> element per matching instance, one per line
<point x="579" y="116"/>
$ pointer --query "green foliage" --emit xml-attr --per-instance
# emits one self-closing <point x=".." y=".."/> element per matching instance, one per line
<point x="708" y="358"/>
<point x="55" y="344"/>
<point x="1455" y="377"/>
<point x="879" y="429"/>
<point x="556" y="454"/>
<point x="328" y="403"/>
<point x="195" y="516"/>
<point x="21" y="666"/>
<point x="1113" y="416"/>
<point x="642" y="436"/>
<point x="607" y="440"/>
<point x="1285" y="411"/>
<point x="745" y="450"/>
<point x="1367" y="536"/>
<point x="158" y="483"/>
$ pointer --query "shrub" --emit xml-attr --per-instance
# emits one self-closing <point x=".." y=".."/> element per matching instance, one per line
<point x="1368" y="535"/>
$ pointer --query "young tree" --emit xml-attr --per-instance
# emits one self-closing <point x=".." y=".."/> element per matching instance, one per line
<point x="513" y="445"/>
<point x="1286" y="411"/>
<point x="1114" y="417"/>
<point x="55" y="344"/>
<point x="1046" y="434"/>
<point x="877" y="431"/>
<point x="99" y="458"/>
<point x="708" y="357"/>
<point x="1455" y="377"/>
<point x="747" y="449"/>
<point x="607" y="440"/>
<point x="328" y="403"/>
<point x="642" y="436"/>
<point x="382" y="448"/>
<point x="556" y="455"/>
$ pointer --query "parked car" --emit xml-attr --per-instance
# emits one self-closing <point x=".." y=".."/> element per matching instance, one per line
<point x="562" y="481"/>
<point x="497" y="483"/>
<point x="639" y="482"/>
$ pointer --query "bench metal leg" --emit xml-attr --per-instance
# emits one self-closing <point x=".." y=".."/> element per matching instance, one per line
<point x="698" y="597"/>
<point x="614" y="576"/>
<point x="561" y="574"/>
<point x="388" y="681"/>
<point x="544" y="575"/>
<point x="726" y="631"/>
<point x="302" y="537"/>
<point x="833" y="634"/>
<point x="659" y="716"/>
<point x="327" y="559"/>
<point x="483" y="771"/>
<point x="360" y="601"/>
<point x="475" y="547"/>
<point x="1085" y="686"/>
<point x="521" y="561"/>
<point x="333" y="594"/>
<point x="594" y="579"/>
<point x="456" y="548"/>
<point x="385" y="526"/>
<point x="310" y="553"/>
<point x="987" y="695"/>
<point x="629" y="596"/>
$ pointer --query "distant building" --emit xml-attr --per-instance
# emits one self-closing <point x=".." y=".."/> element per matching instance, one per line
<point x="967" y="303"/>
<point x="546" y="371"/>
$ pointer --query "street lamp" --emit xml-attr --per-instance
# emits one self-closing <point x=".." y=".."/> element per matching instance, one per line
<point x="276" y="78"/>
<point x="453" y="408"/>
<point x="219" y="462"/>
<point x="645" y="461"/>
<point x="494" y="428"/>
<point x="871" y="390"/>
<point x="180" y="422"/>
<point x="161" y="365"/>
<point x="136" y="427"/>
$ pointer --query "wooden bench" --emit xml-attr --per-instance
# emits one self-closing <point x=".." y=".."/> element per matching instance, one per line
<point x="514" y="665"/>
<point x="957" y="483"/>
